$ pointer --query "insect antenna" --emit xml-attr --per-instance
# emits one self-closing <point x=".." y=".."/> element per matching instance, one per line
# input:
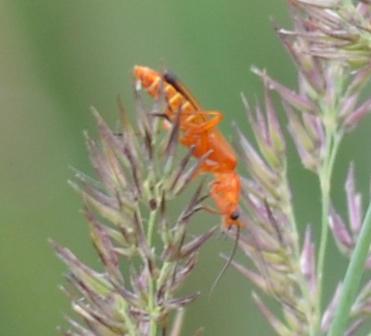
<point x="230" y="259"/>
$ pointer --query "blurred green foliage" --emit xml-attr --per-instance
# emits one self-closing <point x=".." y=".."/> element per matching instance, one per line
<point x="57" y="58"/>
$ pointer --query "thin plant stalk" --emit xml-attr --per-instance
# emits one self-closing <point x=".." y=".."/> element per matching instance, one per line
<point x="325" y="176"/>
<point x="352" y="278"/>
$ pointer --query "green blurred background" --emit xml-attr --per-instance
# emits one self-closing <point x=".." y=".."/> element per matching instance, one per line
<point x="58" y="58"/>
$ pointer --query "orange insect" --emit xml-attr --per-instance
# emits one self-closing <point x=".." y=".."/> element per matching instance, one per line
<point x="199" y="129"/>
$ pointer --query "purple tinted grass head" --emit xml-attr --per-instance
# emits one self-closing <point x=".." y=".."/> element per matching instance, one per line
<point x="329" y="44"/>
<point x="346" y="232"/>
<point x="140" y="176"/>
